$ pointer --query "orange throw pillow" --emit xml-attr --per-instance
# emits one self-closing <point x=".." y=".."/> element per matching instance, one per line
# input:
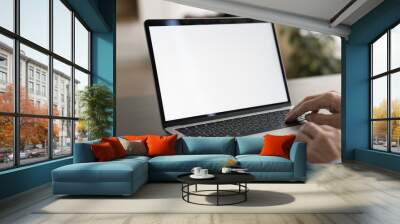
<point x="136" y="137"/>
<point x="103" y="152"/>
<point x="277" y="145"/>
<point x="116" y="145"/>
<point x="161" y="145"/>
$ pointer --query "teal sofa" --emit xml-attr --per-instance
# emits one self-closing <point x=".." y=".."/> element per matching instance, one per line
<point x="125" y="176"/>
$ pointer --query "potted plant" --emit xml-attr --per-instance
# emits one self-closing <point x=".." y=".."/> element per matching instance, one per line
<point x="97" y="103"/>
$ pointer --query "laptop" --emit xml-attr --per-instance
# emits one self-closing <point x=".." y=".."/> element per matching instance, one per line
<point x="218" y="77"/>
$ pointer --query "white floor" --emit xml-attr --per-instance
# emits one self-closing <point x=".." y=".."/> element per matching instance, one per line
<point x="376" y="189"/>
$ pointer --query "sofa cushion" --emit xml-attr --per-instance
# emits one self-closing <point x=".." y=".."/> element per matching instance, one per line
<point x="134" y="147"/>
<point x="249" y="145"/>
<point x="116" y="145"/>
<point x="257" y="163"/>
<point x="83" y="152"/>
<point x="207" y="145"/>
<point x="277" y="145"/>
<point x="185" y="163"/>
<point x="161" y="145"/>
<point x="103" y="152"/>
<point x="112" y="171"/>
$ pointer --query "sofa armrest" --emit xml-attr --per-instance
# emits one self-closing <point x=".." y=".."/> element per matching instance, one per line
<point x="298" y="155"/>
<point x="83" y="152"/>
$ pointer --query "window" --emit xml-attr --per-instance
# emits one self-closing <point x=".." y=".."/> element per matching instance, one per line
<point x="81" y="45"/>
<point x="6" y="71"/>
<point x="45" y="123"/>
<point x="37" y="89"/>
<point x="7" y="14"/>
<point x="81" y="81"/>
<point x="38" y="74"/>
<point x="385" y="94"/>
<point x="62" y="31"/>
<point x="62" y="74"/>
<point x="30" y="88"/>
<point x="35" y="21"/>
<point x="6" y="142"/>
<point x="3" y="61"/>
<point x="44" y="91"/>
<point x="30" y="72"/>
<point x="3" y="78"/>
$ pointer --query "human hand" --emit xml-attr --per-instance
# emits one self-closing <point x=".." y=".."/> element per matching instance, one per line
<point x="323" y="142"/>
<point x="329" y="100"/>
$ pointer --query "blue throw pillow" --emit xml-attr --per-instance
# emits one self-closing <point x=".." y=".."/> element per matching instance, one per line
<point x="208" y="145"/>
<point x="249" y="145"/>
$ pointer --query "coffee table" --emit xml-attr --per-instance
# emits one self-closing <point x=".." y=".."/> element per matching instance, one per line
<point x="238" y="179"/>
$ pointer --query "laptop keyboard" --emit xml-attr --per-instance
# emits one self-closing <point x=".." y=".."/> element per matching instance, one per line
<point x="240" y="126"/>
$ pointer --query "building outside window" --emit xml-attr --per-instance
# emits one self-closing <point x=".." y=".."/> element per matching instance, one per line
<point x="385" y="91"/>
<point x="3" y="81"/>
<point x="3" y="61"/>
<point x="30" y="87"/>
<point x="37" y="75"/>
<point x="57" y="129"/>
<point x="30" y="72"/>
<point x="3" y="72"/>
<point x="43" y="90"/>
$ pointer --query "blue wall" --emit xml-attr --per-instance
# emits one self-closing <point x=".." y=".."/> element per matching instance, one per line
<point x="24" y="178"/>
<point x="104" y="51"/>
<point x="99" y="15"/>
<point x="355" y="83"/>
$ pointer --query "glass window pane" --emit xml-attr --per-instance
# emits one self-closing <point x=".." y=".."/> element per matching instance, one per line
<point x="7" y="14"/>
<point x="395" y="94"/>
<point x="6" y="142"/>
<point x="379" y="56"/>
<point x="379" y="135"/>
<point x="34" y="21"/>
<point x="81" y="131"/>
<point x="81" y="81"/>
<point x="62" y="28"/>
<point x="34" y="97"/>
<point x="379" y="97"/>
<point x="62" y="138"/>
<point x="6" y="74"/>
<point x="395" y="47"/>
<point x="62" y="89"/>
<point x="81" y="45"/>
<point x="395" y="135"/>
<point x="33" y="139"/>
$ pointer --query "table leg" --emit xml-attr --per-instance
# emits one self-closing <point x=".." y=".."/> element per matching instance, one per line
<point x="188" y="190"/>
<point x="195" y="188"/>
<point x="217" y="194"/>
<point x="245" y="193"/>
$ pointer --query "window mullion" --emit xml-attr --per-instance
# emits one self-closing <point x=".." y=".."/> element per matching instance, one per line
<point x="16" y="84"/>
<point x="50" y="81"/>
<point x="389" y="100"/>
<point x="73" y="83"/>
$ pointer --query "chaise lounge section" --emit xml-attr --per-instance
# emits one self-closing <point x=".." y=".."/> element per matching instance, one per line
<point x="125" y="176"/>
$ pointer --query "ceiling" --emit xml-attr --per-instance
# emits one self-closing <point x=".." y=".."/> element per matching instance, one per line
<point x="326" y="16"/>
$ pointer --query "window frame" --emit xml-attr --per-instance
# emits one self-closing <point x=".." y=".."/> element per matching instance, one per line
<point x="388" y="74"/>
<point x="16" y="115"/>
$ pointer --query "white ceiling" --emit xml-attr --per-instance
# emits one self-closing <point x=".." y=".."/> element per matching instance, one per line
<point x="321" y="9"/>
<point x="325" y="16"/>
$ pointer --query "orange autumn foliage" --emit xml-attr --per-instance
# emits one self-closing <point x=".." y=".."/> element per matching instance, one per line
<point x="33" y="130"/>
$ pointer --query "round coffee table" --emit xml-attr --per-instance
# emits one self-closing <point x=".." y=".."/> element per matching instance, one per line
<point x="238" y="179"/>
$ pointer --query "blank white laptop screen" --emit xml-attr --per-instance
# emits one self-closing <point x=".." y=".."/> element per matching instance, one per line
<point x="207" y="69"/>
